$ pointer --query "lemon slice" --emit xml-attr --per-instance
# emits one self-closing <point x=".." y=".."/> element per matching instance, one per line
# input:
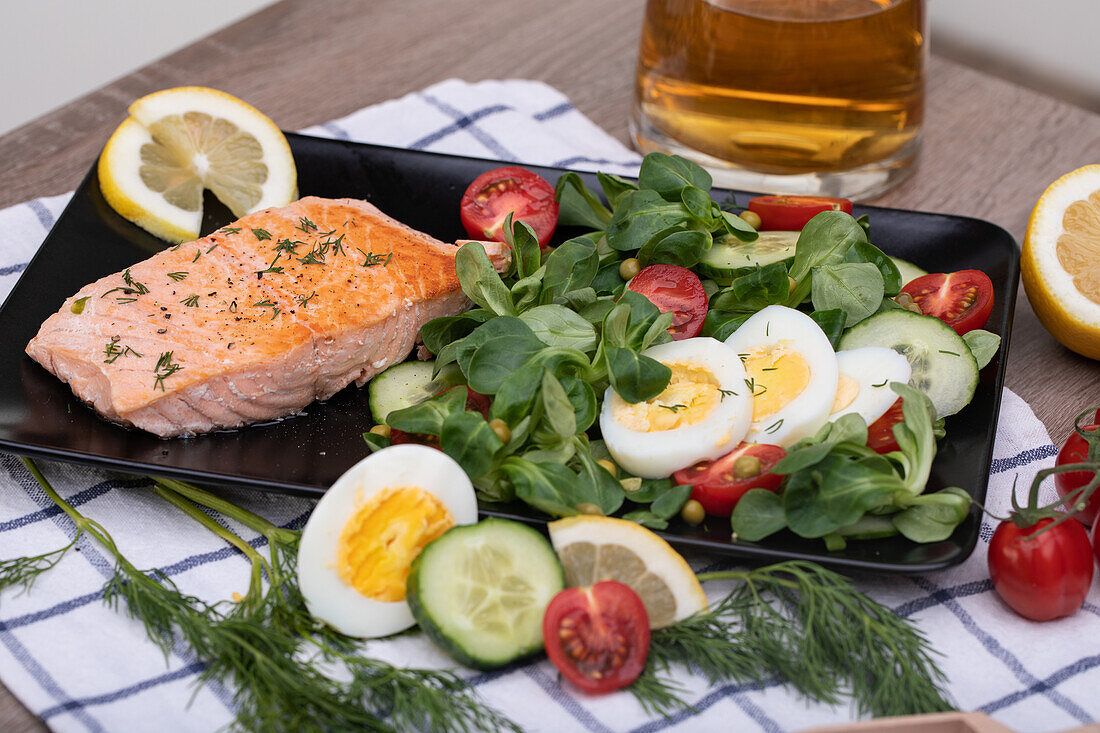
<point x="179" y="141"/>
<point x="1060" y="262"/>
<point x="593" y="548"/>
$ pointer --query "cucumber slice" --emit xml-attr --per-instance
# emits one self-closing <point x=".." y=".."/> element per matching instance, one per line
<point x="730" y="258"/>
<point x="943" y="367"/>
<point x="407" y="384"/>
<point x="908" y="270"/>
<point x="480" y="591"/>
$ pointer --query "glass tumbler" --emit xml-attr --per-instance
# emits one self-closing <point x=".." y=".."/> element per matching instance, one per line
<point x="817" y="97"/>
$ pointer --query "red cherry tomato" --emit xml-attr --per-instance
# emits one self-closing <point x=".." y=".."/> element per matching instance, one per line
<point x="1076" y="450"/>
<point x="880" y="433"/>
<point x="493" y="194"/>
<point x="475" y="401"/>
<point x="677" y="289"/>
<point x="790" y="213"/>
<point x="962" y="300"/>
<point x="714" y="485"/>
<point x="597" y="637"/>
<point x="1045" y="577"/>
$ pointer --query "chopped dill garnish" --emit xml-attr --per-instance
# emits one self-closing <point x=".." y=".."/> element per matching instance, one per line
<point x="213" y="247"/>
<point x="303" y="299"/>
<point x="179" y="275"/>
<point x="881" y="384"/>
<point x="165" y="368"/>
<point x="261" y="234"/>
<point x="229" y="230"/>
<point x="287" y="246"/>
<point x="337" y="245"/>
<point x="726" y="392"/>
<point x="774" y="426"/>
<point x="372" y="259"/>
<point x="268" y="304"/>
<point x="137" y="287"/>
<point x="306" y="225"/>
<point x="113" y="351"/>
<point x="198" y="254"/>
<point x="673" y="408"/>
<point x="952" y="353"/>
<point x="271" y="269"/>
<point x="192" y="301"/>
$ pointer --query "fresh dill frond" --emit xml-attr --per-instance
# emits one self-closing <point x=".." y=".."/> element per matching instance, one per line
<point x="658" y="695"/>
<point x="411" y="699"/>
<point x="810" y="628"/>
<point x="21" y="572"/>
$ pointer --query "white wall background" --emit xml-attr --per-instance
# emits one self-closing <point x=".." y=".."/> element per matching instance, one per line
<point x="53" y="51"/>
<point x="1051" y="45"/>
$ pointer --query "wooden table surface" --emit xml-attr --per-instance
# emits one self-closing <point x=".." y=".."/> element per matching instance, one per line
<point x="990" y="147"/>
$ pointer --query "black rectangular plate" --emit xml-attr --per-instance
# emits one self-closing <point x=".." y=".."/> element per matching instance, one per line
<point x="303" y="455"/>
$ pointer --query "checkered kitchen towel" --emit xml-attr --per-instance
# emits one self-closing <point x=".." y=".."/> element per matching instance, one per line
<point x="81" y="666"/>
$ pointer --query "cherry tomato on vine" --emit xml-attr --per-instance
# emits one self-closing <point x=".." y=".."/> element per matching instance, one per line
<point x="1044" y="577"/>
<point x="598" y="636"/>
<point x="790" y="213"/>
<point x="1076" y="450"/>
<point x="719" y="484"/>
<point x="496" y="193"/>
<point x="962" y="300"/>
<point x="475" y="401"/>
<point x="880" y="433"/>
<point x="677" y="289"/>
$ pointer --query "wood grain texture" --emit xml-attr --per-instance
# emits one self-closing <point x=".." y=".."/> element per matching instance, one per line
<point x="990" y="147"/>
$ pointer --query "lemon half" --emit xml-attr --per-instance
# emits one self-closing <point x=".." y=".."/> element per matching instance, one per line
<point x="593" y="548"/>
<point x="1060" y="261"/>
<point x="180" y="141"/>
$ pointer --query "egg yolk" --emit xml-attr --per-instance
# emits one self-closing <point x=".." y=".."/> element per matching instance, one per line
<point x="847" y="389"/>
<point x="379" y="543"/>
<point x="692" y="393"/>
<point x="777" y="375"/>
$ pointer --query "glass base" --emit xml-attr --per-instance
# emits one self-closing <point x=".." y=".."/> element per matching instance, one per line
<point x="855" y="183"/>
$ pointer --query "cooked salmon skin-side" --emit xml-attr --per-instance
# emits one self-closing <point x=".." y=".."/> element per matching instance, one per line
<point x="254" y="322"/>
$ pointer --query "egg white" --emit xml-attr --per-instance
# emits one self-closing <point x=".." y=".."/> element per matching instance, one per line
<point x="872" y="369"/>
<point x="777" y="327"/>
<point x="327" y="596"/>
<point x="658" y="453"/>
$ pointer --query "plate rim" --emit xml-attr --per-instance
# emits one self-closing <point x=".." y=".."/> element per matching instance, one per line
<point x="751" y="552"/>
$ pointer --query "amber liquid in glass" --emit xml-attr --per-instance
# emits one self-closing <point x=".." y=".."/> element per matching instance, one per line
<point x="782" y="86"/>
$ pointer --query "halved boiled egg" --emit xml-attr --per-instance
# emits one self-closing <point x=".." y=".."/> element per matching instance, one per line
<point x="792" y="374"/>
<point x="702" y="414"/>
<point x="864" y="384"/>
<point x="362" y="537"/>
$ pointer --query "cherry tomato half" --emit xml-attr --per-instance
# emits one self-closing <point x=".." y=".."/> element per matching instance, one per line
<point x="1045" y="577"/>
<point x="597" y="637"/>
<point x="880" y="433"/>
<point x="495" y="193"/>
<point x="677" y="289"/>
<point x="791" y="213"/>
<point x="475" y="401"/>
<point x="1076" y="450"/>
<point x="715" y="485"/>
<point x="962" y="300"/>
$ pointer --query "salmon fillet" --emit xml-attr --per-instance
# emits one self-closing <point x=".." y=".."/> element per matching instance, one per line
<point x="254" y="322"/>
